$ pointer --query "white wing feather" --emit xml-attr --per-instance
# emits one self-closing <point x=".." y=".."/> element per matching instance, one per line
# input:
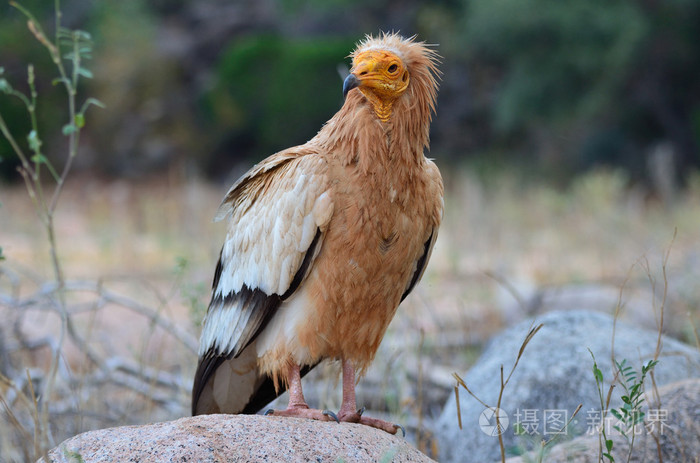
<point x="269" y="234"/>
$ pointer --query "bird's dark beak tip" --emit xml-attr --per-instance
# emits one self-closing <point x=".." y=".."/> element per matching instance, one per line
<point x="350" y="82"/>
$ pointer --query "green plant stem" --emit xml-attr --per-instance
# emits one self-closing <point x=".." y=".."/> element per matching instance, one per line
<point x="70" y="85"/>
<point x="13" y="143"/>
<point x="629" y="452"/>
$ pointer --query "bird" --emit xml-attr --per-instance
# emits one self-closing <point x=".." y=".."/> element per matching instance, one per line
<point x="324" y="241"/>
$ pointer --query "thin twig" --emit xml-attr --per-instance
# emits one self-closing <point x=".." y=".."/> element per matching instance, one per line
<point x="503" y="383"/>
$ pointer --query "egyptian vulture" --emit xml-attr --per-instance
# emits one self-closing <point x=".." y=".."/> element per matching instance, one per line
<point x="324" y="242"/>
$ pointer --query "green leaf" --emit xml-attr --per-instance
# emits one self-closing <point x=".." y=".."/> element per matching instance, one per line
<point x="34" y="141"/>
<point x="96" y="102"/>
<point x="2" y="256"/>
<point x="80" y="120"/>
<point x="609" y="444"/>
<point x="39" y="159"/>
<point x="5" y="86"/>
<point x="58" y="80"/>
<point x="83" y="35"/>
<point x="597" y="373"/>
<point x="69" y="129"/>
<point x="85" y="73"/>
<point x="91" y="101"/>
<point x="616" y="414"/>
<point x="651" y="364"/>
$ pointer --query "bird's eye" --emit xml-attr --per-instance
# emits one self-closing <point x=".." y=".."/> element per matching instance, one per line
<point x="393" y="68"/>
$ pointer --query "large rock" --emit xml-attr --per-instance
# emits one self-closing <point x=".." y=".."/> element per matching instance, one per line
<point x="678" y="433"/>
<point x="553" y="377"/>
<point x="240" y="438"/>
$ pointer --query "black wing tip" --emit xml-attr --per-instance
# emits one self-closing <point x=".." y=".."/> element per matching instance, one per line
<point x="420" y="266"/>
<point x="206" y="367"/>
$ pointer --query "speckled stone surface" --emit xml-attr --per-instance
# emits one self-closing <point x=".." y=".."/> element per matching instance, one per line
<point x="554" y="373"/>
<point x="239" y="438"/>
<point x="678" y="431"/>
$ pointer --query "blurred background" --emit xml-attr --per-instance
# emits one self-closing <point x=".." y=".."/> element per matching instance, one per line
<point x="551" y="89"/>
<point x="567" y="133"/>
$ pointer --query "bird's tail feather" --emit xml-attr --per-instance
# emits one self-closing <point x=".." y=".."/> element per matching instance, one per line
<point x="233" y="385"/>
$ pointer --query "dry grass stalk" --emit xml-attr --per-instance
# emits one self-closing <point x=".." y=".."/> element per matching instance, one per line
<point x="503" y="384"/>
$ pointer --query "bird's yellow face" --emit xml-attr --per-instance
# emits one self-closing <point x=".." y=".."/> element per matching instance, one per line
<point x="381" y="76"/>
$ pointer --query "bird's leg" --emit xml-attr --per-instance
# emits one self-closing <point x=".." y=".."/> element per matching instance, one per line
<point x="296" y="394"/>
<point x="348" y="409"/>
<point x="297" y="404"/>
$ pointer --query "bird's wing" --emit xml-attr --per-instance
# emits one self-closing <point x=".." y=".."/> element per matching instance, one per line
<point x="277" y="214"/>
<point x="435" y="193"/>
<point x="420" y="264"/>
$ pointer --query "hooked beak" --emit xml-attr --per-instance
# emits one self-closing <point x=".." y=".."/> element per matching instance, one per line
<point x="351" y="81"/>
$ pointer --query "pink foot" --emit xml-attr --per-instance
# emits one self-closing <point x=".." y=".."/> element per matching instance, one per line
<point x="303" y="411"/>
<point x="356" y="417"/>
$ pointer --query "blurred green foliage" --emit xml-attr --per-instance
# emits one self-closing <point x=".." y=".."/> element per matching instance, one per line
<point x="271" y="92"/>
<point x="602" y="81"/>
<point x="548" y="87"/>
<point x="561" y="60"/>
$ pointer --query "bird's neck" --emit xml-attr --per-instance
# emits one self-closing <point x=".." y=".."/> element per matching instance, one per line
<point x="358" y="134"/>
<point x="382" y="106"/>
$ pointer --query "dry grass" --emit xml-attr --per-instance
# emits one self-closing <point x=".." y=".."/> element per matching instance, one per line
<point x="139" y="258"/>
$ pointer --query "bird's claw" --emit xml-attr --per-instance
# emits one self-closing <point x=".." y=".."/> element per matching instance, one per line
<point x="269" y="411"/>
<point x="403" y="430"/>
<point x="360" y="411"/>
<point x="332" y="415"/>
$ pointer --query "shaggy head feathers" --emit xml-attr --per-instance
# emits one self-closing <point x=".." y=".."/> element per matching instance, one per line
<point x="420" y="59"/>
